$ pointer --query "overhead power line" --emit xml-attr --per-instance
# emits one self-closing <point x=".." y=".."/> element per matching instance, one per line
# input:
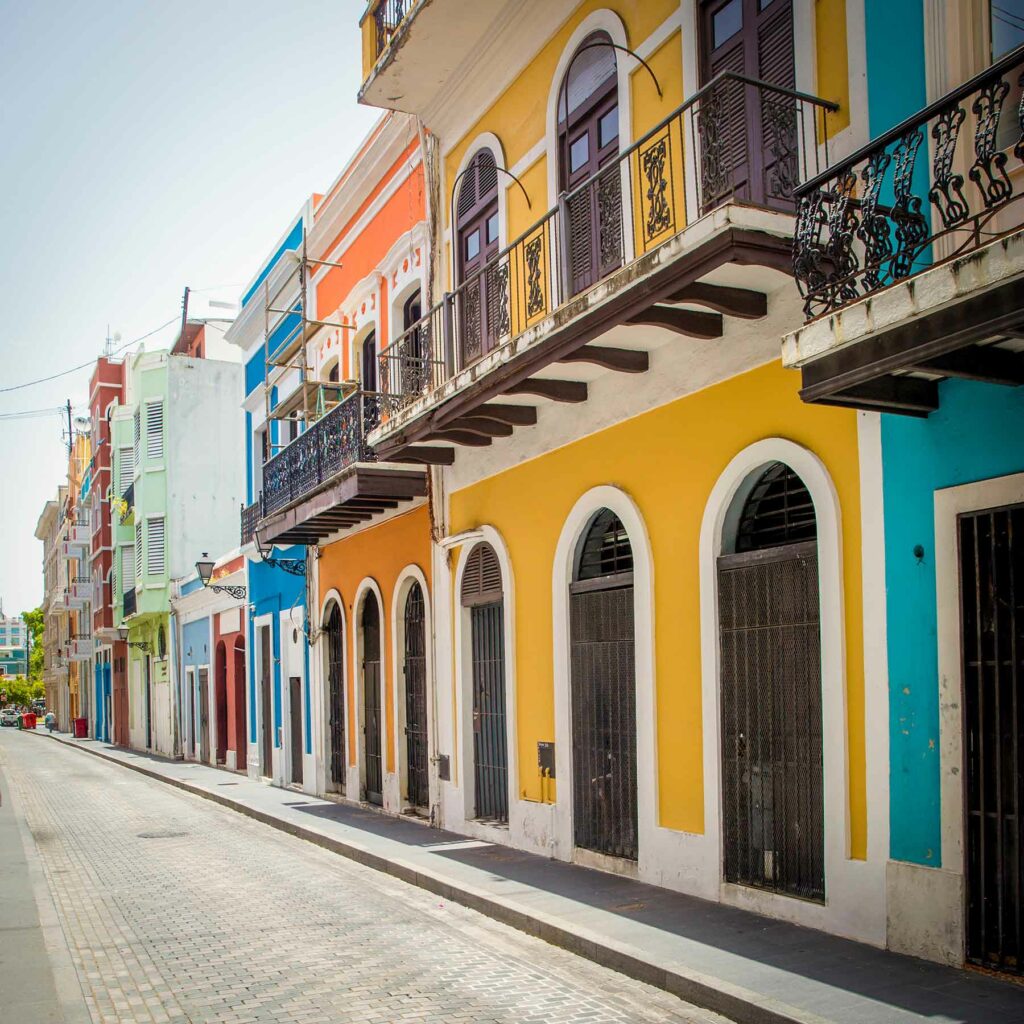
<point x="82" y="366"/>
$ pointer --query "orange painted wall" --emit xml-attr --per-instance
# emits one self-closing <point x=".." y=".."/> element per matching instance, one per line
<point x="381" y="553"/>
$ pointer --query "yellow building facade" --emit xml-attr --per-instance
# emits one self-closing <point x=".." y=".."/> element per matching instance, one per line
<point x="649" y="623"/>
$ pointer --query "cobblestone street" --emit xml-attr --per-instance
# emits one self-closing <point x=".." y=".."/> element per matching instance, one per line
<point x="177" y="910"/>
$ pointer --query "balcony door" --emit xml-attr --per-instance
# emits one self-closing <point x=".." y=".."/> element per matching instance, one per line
<point x="748" y="136"/>
<point x="480" y="297"/>
<point x="588" y="137"/>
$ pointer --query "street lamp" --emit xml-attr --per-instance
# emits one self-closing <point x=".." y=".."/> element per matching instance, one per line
<point x="141" y="645"/>
<point x="204" y="569"/>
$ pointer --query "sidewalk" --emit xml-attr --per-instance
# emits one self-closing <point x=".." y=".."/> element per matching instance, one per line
<point x="753" y="969"/>
<point x="38" y="983"/>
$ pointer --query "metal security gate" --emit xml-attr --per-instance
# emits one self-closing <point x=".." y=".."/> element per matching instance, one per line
<point x="295" y="733"/>
<point x="482" y="595"/>
<point x="204" y="715"/>
<point x="417" y="790"/>
<point x="992" y="637"/>
<point x="603" y="684"/>
<point x="336" y="693"/>
<point x="772" y="767"/>
<point x="371" y="701"/>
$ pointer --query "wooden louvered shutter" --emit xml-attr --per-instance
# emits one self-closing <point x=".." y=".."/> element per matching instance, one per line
<point x="155" y="430"/>
<point x="481" y="579"/>
<point x="125" y="471"/>
<point x="155" y="551"/>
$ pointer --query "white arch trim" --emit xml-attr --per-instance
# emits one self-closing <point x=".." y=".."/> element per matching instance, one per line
<point x="855" y="890"/>
<point x="409" y="575"/>
<point x="602" y="20"/>
<point x="464" y="682"/>
<point x="619" y="502"/>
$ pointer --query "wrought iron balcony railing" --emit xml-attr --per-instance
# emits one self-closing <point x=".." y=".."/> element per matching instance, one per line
<point x="250" y="517"/>
<point x="736" y="139"/>
<point x="332" y="444"/>
<point x="940" y="184"/>
<point x="387" y="16"/>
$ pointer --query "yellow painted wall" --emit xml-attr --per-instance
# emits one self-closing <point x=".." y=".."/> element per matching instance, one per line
<point x="833" y="78"/>
<point x="381" y="553"/>
<point x="668" y="460"/>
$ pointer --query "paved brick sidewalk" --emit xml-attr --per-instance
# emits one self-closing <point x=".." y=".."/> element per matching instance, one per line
<point x="754" y="969"/>
<point x="176" y="909"/>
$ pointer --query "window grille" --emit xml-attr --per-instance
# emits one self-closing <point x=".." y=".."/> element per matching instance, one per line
<point x="155" y="430"/>
<point x="155" y="560"/>
<point x="606" y="550"/>
<point x="125" y="470"/>
<point x="778" y="511"/>
<point x="138" y="550"/>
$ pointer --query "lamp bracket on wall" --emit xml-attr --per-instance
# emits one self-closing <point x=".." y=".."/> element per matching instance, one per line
<point x="236" y="592"/>
<point x="295" y="566"/>
<point x="139" y="645"/>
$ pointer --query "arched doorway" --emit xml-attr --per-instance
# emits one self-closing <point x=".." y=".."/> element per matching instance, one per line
<point x="368" y="375"/>
<point x="372" y="705"/>
<point x="415" y="673"/>
<point x="241" y="740"/>
<point x="481" y="302"/>
<point x="588" y="140"/>
<point x="220" y="688"/>
<point x="603" y="683"/>
<point x="772" y="766"/>
<point x="336" y="693"/>
<point x="483" y="598"/>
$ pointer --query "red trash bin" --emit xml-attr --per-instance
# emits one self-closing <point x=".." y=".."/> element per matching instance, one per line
<point x="81" y="728"/>
<point x="28" y="720"/>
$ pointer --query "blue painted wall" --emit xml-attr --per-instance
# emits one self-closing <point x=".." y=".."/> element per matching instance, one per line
<point x="975" y="434"/>
<point x="195" y="651"/>
<point x="292" y="241"/>
<point x="272" y="591"/>
<point x="101" y="687"/>
<point x="894" y="31"/>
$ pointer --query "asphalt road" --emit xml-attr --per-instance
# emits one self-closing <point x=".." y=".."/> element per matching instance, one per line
<point x="174" y="909"/>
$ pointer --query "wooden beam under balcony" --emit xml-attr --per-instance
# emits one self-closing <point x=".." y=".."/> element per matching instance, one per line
<point x="691" y="323"/>
<point x="516" y="415"/>
<point x="485" y="426"/>
<point x="625" y="360"/>
<point x="983" y="363"/>
<point x="743" y="303"/>
<point x="556" y="390"/>
<point x="425" y="454"/>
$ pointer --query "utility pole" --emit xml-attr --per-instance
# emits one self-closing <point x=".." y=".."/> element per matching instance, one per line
<point x="71" y="438"/>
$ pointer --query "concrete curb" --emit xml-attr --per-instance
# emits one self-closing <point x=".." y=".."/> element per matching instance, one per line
<point x="733" y="1001"/>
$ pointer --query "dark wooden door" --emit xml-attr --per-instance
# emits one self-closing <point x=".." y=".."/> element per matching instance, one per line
<point x="295" y="735"/>
<point x="415" y="669"/>
<point x="992" y="639"/>
<point x="204" y="715"/>
<point x="372" y="711"/>
<point x="772" y="776"/>
<point x="148" y="696"/>
<point x="481" y="295"/>
<point x="591" y="177"/>
<point x="369" y="369"/>
<point x="193" y="732"/>
<point x="747" y="136"/>
<point x="603" y="673"/>
<point x="336" y="692"/>
<point x="490" y="737"/>
<point x="266" y="708"/>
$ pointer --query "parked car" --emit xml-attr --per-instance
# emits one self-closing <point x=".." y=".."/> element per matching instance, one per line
<point x="9" y="716"/>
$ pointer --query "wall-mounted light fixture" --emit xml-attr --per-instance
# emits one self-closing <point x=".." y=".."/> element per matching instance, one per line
<point x="204" y="568"/>
<point x="139" y="645"/>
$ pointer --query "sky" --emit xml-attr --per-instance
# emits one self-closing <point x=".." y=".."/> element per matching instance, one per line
<point x="145" y="145"/>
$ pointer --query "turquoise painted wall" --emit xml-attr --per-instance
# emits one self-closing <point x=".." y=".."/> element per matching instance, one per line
<point x="975" y="434"/>
<point x="894" y="31"/>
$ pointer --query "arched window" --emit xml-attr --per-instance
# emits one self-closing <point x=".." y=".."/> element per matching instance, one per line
<point x="333" y="372"/>
<point x="368" y="375"/>
<point x="161" y="643"/>
<point x="603" y="691"/>
<point x="772" y="737"/>
<point x="483" y="599"/>
<point x="588" y="140"/>
<point x="476" y="231"/>
<point x="373" y="710"/>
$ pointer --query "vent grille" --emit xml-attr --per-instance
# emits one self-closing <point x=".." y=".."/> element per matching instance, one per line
<point x="481" y="580"/>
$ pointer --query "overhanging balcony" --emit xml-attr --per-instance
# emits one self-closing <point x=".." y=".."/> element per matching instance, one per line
<point x="81" y="592"/>
<point x="910" y="255"/>
<point x="412" y="48"/>
<point x="81" y="647"/>
<point x="329" y="479"/>
<point x="129" y="603"/>
<point x="250" y="520"/>
<point x="690" y="227"/>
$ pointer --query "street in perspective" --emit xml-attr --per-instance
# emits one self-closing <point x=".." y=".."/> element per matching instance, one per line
<point x="514" y="512"/>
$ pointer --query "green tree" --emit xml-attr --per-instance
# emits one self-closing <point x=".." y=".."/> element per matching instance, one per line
<point x="22" y="691"/>
<point x="36" y="622"/>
